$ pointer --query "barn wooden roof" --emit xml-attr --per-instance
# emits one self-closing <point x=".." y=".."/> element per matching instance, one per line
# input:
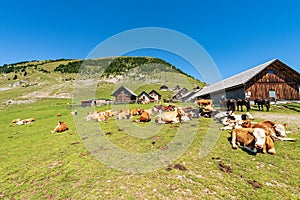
<point x="118" y="90"/>
<point x="236" y="80"/>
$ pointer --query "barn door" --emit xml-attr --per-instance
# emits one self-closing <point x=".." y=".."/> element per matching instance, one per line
<point x="272" y="95"/>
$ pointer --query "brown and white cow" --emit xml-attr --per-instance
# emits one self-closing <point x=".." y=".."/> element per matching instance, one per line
<point x="62" y="126"/>
<point x="253" y="139"/>
<point x="276" y="131"/>
<point x="23" y="122"/>
<point x="170" y="117"/>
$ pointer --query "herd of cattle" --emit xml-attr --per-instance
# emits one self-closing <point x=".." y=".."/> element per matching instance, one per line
<point x="253" y="137"/>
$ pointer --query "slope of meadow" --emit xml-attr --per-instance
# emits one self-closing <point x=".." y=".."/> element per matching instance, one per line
<point x="38" y="164"/>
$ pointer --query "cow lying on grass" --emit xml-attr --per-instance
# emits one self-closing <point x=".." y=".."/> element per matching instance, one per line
<point x="144" y="117"/>
<point x="62" y="126"/>
<point x="253" y="139"/>
<point x="23" y="122"/>
<point x="231" y="120"/>
<point x="99" y="116"/>
<point x="170" y="117"/>
<point x="277" y="131"/>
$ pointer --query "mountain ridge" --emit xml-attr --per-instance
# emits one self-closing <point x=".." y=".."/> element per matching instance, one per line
<point x="56" y="78"/>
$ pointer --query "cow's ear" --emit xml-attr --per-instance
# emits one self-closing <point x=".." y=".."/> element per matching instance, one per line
<point x="284" y="124"/>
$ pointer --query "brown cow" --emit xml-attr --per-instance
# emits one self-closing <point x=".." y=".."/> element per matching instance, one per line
<point x="144" y="117"/>
<point x="277" y="131"/>
<point x="204" y="102"/>
<point x="62" y="126"/>
<point x="252" y="139"/>
<point x="135" y="111"/>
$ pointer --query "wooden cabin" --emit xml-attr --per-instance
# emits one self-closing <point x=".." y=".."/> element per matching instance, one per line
<point x="87" y="103"/>
<point x="124" y="95"/>
<point x="273" y="80"/>
<point x="155" y="95"/>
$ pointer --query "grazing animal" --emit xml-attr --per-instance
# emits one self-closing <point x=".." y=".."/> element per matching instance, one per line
<point x="231" y="104"/>
<point x="92" y="116"/>
<point x="122" y="115"/>
<point x="150" y="111"/>
<point x="193" y="113"/>
<point x="102" y="116"/>
<point x="62" y="126"/>
<point x="221" y="115"/>
<point x="15" y="120"/>
<point x="253" y="139"/>
<point x="233" y="120"/>
<point x="262" y="102"/>
<point x="170" y="117"/>
<point x="135" y="111"/>
<point x="144" y="117"/>
<point x="204" y="102"/>
<point x="73" y="112"/>
<point x="243" y="102"/>
<point x="168" y="108"/>
<point x="23" y="122"/>
<point x="277" y="130"/>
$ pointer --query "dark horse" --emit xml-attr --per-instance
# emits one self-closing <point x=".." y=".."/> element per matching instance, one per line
<point x="261" y="103"/>
<point x="241" y="103"/>
<point x="227" y="104"/>
<point x="230" y="104"/>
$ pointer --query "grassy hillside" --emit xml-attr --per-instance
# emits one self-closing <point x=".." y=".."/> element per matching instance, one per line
<point x="56" y="78"/>
<point x="38" y="164"/>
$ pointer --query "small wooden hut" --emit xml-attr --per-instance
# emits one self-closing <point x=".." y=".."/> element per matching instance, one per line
<point x="124" y="95"/>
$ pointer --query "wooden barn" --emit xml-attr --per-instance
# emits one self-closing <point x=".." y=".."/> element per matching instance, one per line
<point x="124" y="95"/>
<point x="144" y="97"/>
<point x="87" y="103"/>
<point x="272" y="80"/>
<point x="155" y="95"/>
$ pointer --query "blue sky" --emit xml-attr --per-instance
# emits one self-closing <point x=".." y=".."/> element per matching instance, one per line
<point x="236" y="34"/>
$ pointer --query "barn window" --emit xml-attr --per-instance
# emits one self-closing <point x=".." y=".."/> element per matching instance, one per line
<point x="270" y="71"/>
<point x="272" y="95"/>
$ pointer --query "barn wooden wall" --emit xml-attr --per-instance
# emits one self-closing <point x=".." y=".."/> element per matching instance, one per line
<point x="122" y="98"/>
<point x="283" y="81"/>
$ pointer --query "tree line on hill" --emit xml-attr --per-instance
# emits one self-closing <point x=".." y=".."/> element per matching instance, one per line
<point x="22" y="66"/>
<point x="118" y="65"/>
<point x="110" y="66"/>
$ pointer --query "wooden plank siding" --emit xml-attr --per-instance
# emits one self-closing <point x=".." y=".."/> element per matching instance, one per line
<point x="281" y="80"/>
